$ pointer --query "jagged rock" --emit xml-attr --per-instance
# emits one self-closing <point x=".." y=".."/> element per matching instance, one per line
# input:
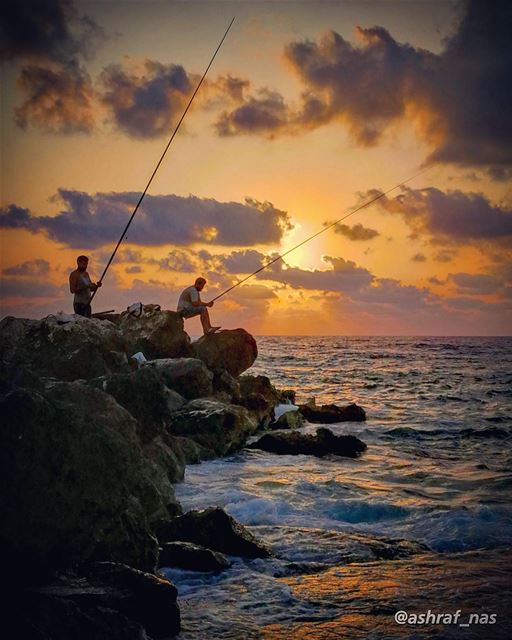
<point x="289" y="420"/>
<point x="331" y="413"/>
<point x="76" y="484"/>
<point x="217" y="427"/>
<point x="167" y="455"/>
<point x="75" y="603"/>
<point x="145" y="396"/>
<point x="259" y="396"/>
<point x="82" y="349"/>
<point x="215" y="529"/>
<point x="233" y="351"/>
<point x="226" y="388"/>
<point x="188" y="376"/>
<point x="324" y="443"/>
<point x="143" y="597"/>
<point x="38" y="616"/>
<point x="158" y="334"/>
<point x="186" y="555"/>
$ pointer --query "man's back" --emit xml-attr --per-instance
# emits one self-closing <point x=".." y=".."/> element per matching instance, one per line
<point x="187" y="297"/>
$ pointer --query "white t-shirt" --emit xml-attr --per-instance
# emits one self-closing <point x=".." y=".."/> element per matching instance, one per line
<point x="187" y="297"/>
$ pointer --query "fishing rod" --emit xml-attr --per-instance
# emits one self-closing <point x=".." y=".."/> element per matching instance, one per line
<point x="333" y="224"/>
<point x="123" y="235"/>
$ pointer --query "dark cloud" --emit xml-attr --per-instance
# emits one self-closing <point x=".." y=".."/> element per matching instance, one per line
<point x="14" y="217"/>
<point x="93" y="221"/>
<point x="58" y="99"/>
<point x="36" y="267"/>
<point x="45" y="30"/>
<point x="458" y="100"/>
<point x="476" y="283"/>
<point x="145" y="103"/>
<point x="245" y="261"/>
<point x="134" y="269"/>
<point x="444" y="255"/>
<point x="179" y="260"/>
<point x="357" y="232"/>
<point x="25" y="288"/>
<point x="344" y="276"/>
<point x="451" y="216"/>
<point x="419" y="257"/>
<point x="266" y="114"/>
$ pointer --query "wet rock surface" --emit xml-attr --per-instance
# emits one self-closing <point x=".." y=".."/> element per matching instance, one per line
<point x="331" y="413"/>
<point x="194" y="557"/>
<point x="217" y="427"/>
<point x="215" y="529"/>
<point x="321" y="444"/>
<point x="101" y="600"/>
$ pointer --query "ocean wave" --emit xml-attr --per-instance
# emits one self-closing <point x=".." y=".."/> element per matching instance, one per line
<point x="358" y="511"/>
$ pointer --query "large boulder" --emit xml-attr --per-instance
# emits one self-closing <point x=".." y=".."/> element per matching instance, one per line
<point x="99" y="601"/>
<point x="215" y="529"/>
<point x="331" y="413"/>
<point x="86" y="348"/>
<point x="144" y="394"/>
<point x="322" y="444"/>
<point x="217" y="427"/>
<point x="158" y="334"/>
<point x="188" y="376"/>
<point x="76" y="484"/>
<point x="232" y="350"/>
<point x="193" y="557"/>
<point x="259" y="396"/>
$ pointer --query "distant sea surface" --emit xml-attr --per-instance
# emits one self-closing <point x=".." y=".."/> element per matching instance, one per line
<point x="438" y="470"/>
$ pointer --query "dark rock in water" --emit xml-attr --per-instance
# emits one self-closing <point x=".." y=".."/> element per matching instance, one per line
<point x="217" y="427"/>
<point x="145" y="396"/>
<point x="76" y="603"/>
<point x="233" y="351"/>
<point x="82" y="349"/>
<point x="331" y="413"/>
<point x="324" y="443"/>
<point x="76" y="484"/>
<point x="37" y="616"/>
<point x="143" y="597"/>
<point x="158" y="334"/>
<point x="186" y="555"/>
<point x="259" y="396"/>
<point x="188" y="376"/>
<point x="287" y="396"/>
<point x="289" y="420"/>
<point x="215" y="529"/>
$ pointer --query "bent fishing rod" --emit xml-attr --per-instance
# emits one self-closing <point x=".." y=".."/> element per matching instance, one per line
<point x="323" y="230"/>
<point x="123" y="235"/>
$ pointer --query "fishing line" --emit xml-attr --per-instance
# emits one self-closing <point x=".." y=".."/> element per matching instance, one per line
<point x="323" y="230"/>
<point x="162" y="156"/>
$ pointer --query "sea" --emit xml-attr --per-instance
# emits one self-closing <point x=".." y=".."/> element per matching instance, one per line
<point x="437" y="471"/>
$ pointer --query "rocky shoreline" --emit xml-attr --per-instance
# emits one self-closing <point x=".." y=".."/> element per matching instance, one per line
<point x="91" y="449"/>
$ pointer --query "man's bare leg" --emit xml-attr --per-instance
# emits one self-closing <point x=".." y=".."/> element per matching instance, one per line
<point x="205" y="321"/>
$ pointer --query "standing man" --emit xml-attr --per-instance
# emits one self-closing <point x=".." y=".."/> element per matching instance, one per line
<point x="190" y="305"/>
<point x="80" y="284"/>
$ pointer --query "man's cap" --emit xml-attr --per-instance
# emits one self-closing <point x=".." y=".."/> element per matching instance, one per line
<point x="82" y="258"/>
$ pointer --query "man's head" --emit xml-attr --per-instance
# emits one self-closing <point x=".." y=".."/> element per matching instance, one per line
<point x="82" y="262"/>
<point x="199" y="284"/>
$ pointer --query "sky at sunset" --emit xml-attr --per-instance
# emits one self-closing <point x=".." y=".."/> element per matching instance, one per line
<point x="309" y="109"/>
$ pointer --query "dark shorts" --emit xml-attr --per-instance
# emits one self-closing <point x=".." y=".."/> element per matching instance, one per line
<point x="190" y="312"/>
<point x="82" y="309"/>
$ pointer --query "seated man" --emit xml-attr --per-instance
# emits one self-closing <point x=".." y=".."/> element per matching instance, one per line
<point x="190" y="305"/>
